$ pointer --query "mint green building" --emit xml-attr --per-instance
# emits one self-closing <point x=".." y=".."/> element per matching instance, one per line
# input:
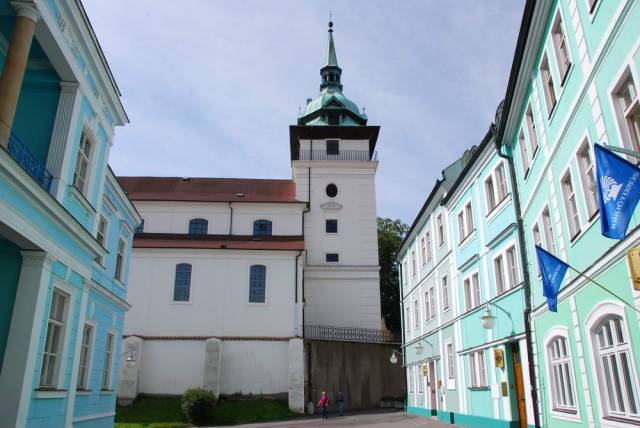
<point x="574" y="82"/>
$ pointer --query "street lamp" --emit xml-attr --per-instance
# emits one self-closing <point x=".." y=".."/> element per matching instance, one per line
<point x="130" y="360"/>
<point x="488" y="319"/>
<point x="394" y="359"/>
<point x="419" y="348"/>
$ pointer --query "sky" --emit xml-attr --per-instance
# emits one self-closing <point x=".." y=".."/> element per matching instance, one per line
<point x="211" y="87"/>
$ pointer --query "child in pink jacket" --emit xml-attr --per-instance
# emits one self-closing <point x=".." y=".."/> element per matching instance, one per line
<point x="323" y="403"/>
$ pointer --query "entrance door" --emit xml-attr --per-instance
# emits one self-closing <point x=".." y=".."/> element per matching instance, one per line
<point x="433" y="386"/>
<point x="517" y="371"/>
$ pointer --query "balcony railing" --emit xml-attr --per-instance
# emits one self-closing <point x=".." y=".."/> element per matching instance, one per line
<point x="29" y="162"/>
<point x="348" y="155"/>
<point x="350" y="334"/>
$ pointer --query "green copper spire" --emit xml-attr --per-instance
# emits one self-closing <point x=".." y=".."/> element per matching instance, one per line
<point x="332" y="58"/>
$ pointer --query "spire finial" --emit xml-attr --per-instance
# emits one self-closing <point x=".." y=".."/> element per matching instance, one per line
<point x="330" y="23"/>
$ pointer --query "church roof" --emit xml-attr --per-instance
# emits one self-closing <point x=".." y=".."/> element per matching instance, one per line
<point x="208" y="189"/>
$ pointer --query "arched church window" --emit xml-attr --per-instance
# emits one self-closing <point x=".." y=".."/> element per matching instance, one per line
<point x="198" y="226"/>
<point x="257" y="283"/>
<point x="182" y="284"/>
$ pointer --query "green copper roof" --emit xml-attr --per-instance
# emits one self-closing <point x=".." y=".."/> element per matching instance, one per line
<point x="331" y="104"/>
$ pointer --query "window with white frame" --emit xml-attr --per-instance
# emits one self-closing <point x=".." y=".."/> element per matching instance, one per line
<point x="587" y="177"/>
<point x="416" y="313"/>
<point x="478" y="369"/>
<point x="547" y="227"/>
<point x="450" y="365"/>
<point x="570" y="204"/>
<point x="56" y="326"/>
<point x="471" y="287"/>
<point x="512" y="267"/>
<point x="108" y="359"/>
<point x="407" y="319"/>
<point x="101" y="235"/>
<point x="419" y="379"/>
<point x="524" y="155"/>
<point x="440" y="225"/>
<point x="85" y="357"/>
<point x="83" y="161"/>
<point x="465" y="221"/>
<point x="547" y="84"/>
<point x="531" y="129"/>
<point x="618" y="378"/>
<point x="498" y="269"/>
<point x="120" y="259"/>
<point x="628" y="111"/>
<point x="427" y="307"/>
<point x="561" y="374"/>
<point x="490" y="193"/>
<point x="495" y="187"/>
<point x="405" y="271"/>
<point x="428" y="243"/>
<point x="423" y="251"/>
<point x="432" y="303"/>
<point x="445" y="292"/>
<point x="561" y="48"/>
<point x="413" y="263"/>
<point x="412" y="378"/>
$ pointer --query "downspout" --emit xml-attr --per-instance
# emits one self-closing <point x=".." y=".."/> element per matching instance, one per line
<point x="526" y="285"/>
<point x="226" y="244"/>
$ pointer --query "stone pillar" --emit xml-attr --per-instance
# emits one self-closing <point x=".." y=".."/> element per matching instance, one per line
<point x="212" y="366"/>
<point x="15" y="65"/>
<point x="59" y="149"/>
<point x="27" y="322"/>
<point x="296" y="375"/>
<point x="130" y="376"/>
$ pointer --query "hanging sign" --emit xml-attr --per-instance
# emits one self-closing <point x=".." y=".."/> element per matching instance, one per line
<point x="498" y="355"/>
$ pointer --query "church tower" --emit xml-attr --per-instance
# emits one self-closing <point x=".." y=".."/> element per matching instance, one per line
<point x="334" y="165"/>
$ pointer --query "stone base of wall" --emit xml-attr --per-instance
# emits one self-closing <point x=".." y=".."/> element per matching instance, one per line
<point x="463" y="420"/>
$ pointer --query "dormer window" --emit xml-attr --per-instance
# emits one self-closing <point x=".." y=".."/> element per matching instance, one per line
<point x="333" y="119"/>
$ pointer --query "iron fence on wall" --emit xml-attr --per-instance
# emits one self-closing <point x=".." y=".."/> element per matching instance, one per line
<point x="350" y="334"/>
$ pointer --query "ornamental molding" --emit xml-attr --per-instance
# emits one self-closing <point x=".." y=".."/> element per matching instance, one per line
<point x="331" y="206"/>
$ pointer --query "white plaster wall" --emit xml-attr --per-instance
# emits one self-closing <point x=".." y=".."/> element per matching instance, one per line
<point x="254" y="367"/>
<point x="248" y="367"/>
<point x="171" y="367"/>
<point x="219" y="294"/>
<point x="173" y="217"/>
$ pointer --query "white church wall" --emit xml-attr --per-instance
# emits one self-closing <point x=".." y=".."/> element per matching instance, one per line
<point x="219" y="299"/>
<point x="172" y="367"/>
<point x="173" y="217"/>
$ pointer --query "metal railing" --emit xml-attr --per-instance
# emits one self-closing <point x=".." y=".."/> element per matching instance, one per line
<point x="348" y="155"/>
<point x="29" y="162"/>
<point x="350" y="334"/>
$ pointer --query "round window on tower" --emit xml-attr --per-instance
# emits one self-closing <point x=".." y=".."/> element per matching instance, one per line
<point x="332" y="190"/>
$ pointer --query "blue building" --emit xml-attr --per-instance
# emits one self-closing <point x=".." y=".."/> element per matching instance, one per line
<point x="66" y="226"/>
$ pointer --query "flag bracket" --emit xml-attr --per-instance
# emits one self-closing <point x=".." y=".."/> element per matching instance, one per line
<point x="622" y="150"/>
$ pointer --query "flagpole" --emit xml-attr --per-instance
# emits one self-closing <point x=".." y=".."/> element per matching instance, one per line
<point x="604" y="288"/>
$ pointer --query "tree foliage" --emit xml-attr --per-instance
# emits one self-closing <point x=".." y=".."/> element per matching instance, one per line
<point x="390" y="235"/>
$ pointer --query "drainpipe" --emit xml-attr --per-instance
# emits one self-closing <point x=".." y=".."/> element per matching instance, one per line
<point x="526" y="285"/>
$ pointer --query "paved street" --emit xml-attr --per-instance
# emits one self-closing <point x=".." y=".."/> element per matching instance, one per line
<point x="379" y="419"/>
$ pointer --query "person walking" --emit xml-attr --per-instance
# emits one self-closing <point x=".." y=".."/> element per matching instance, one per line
<point x="323" y="403"/>
<point x="340" y="403"/>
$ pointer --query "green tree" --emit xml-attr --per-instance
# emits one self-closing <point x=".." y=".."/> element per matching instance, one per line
<point x="390" y="235"/>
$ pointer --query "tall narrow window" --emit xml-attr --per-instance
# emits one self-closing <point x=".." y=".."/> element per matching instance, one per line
<point x="440" y="229"/>
<point x="263" y="227"/>
<point x="501" y="182"/>
<point x="615" y="369"/>
<point x="561" y="374"/>
<point x="445" y="292"/>
<point x="450" y="367"/>
<point x="257" y="284"/>
<point x="108" y="359"/>
<point x="81" y="172"/>
<point x="413" y="263"/>
<point x="55" y="336"/>
<point x="468" y="298"/>
<point x="101" y="235"/>
<point x="476" y="290"/>
<point x="523" y="153"/>
<point x="412" y="378"/>
<point x="416" y="313"/>
<point x="512" y="267"/>
<point x="490" y="193"/>
<point x="498" y="267"/>
<point x="182" y="283"/>
<point x="461" y="228"/>
<point x="478" y="369"/>
<point x="85" y="357"/>
<point x="570" y="205"/>
<point x="407" y="319"/>
<point x="427" y="308"/>
<point x="547" y="84"/>
<point x="198" y="226"/>
<point x="428" y="243"/>
<point x="471" y="292"/>
<point x="432" y="302"/>
<point x="122" y="247"/>
<point x="468" y="217"/>
<point x="405" y="270"/>
<point x="587" y="177"/>
<point x="419" y="380"/>
<point x="333" y="147"/>
<point x="531" y="129"/>
<point x="628" y="108"/>
<point x="561" y="47"/>
<point x="548" y="231"/>
<point x="423" y="252"/>
<point x="465" y="221"/>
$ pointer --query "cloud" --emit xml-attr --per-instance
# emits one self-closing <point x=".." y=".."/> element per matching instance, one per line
<point x="212" y="87"/>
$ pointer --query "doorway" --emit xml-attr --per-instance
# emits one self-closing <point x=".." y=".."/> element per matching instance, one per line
<point x="433" y="387"/>
<point x="514" y="350"/>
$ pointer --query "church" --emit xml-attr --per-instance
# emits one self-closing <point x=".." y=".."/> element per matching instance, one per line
<point x="232" y="278"/>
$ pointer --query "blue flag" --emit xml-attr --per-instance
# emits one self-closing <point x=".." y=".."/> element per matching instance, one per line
<point x="552" y="270"/>
<point x="618" y="191"/>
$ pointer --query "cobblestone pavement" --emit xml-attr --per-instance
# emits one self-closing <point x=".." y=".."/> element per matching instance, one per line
<point x="377" y="419"/>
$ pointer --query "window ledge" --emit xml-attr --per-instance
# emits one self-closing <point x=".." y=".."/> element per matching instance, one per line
<point x="622" y="420"/>
<point x="567" y="411"/>
<point x="467" y="239"/>
<point x="180" y="303"/>
<point x="82" y="200"/>
<point x="500" y="206"/>
<point x="83" y="391"/>
<point x="479" y="388"/>
<point x="48" y="393"/>
<point x="106" y="391"/>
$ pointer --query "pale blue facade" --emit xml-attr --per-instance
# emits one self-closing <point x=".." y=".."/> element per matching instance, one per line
<point x="66" y="228"/>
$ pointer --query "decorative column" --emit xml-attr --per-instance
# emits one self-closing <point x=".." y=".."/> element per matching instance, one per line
<point x="130" y="376"/>
<point x="21" y="355"/>
<point x="59" y="149"/>
<point x="27" y="16"/>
